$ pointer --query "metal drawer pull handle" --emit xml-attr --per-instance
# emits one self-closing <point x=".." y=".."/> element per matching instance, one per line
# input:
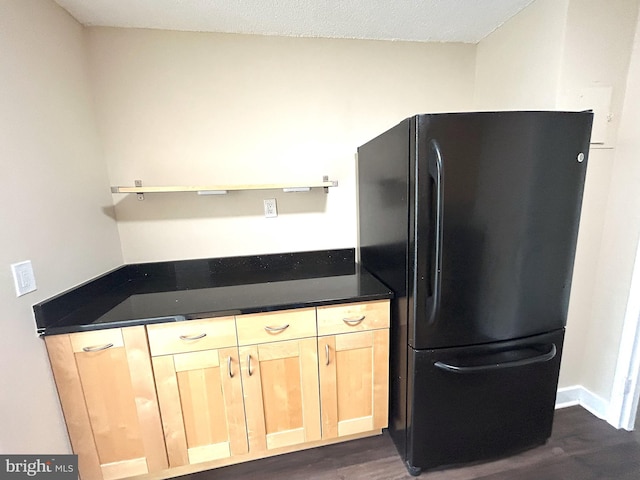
<point x="276" y="329"/>
<point x="229" y="367"/>
<point x="98" y="348"/>
<point x="326" y="351"/>
<point x="353" y="321"/>
<point x="249" y="365"/>
<point x="192" y="337"/>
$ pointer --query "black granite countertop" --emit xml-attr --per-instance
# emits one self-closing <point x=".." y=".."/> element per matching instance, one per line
<point x="138" y="294"/>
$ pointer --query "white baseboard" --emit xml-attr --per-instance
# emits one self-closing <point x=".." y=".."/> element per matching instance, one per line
<point x="568" y="397"/>
<point x="578" y="395"/>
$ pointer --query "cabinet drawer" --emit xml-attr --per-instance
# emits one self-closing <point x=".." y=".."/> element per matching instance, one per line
<point x="353" y="317"/>
<point x="276" y="326"/>
<point x="96" y="341"/>
<point x="192" y="335"/>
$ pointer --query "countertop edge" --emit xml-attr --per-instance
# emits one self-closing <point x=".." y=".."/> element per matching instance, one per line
<point x="213" y="314"/>
<point x="134" y="295"/>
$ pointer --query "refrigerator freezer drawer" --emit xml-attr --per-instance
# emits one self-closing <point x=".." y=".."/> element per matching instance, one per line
<point x="476" y="403"/>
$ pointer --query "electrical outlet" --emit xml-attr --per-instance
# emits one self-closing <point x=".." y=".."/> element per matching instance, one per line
<point x="270" y="208"/>
<point x="23" y="277"/>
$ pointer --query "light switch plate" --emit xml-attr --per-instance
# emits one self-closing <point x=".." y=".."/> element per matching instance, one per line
<point x="23" y="277"/>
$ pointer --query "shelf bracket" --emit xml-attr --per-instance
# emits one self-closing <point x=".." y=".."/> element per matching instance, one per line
<point x="140" y="195"/>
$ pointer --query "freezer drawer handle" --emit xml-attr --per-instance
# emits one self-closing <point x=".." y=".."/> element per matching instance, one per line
<point x="497" y="366"/>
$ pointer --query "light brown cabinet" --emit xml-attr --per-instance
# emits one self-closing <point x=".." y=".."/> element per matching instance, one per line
<point x="106" y="389"/>
<point x="353" y="347"/>
<point x="197" y="376"/>
<point x="229" y="389"/>
<point x="280" y="378"/>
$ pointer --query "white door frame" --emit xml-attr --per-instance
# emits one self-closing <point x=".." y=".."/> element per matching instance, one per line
<point x="626" y="383"/>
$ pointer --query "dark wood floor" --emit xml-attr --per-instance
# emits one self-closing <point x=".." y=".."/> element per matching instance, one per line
<point x="581" y="447"/>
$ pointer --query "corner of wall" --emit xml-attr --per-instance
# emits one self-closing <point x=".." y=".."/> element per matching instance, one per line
<point x="579" y="395"/>
<point x="518" y="65"/>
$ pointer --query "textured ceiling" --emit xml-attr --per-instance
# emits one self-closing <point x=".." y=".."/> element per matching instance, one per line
<point x="413" y="20"/>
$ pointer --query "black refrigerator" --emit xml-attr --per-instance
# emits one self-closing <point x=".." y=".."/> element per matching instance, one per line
<point x="472" y="220"/>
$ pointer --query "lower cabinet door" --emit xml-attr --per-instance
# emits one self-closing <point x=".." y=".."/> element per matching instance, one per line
<point x="106" y="389"/>
<point x="354" y="378"/>
<point x="200" y="395"/>
<point x="280" y="382"/>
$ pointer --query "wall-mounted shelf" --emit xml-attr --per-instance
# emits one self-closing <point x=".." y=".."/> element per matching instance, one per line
<point x="140" y="190"/>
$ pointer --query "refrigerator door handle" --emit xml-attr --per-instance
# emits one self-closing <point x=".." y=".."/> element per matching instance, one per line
<point x="545" y="357"/>
<point x="435" y="169"/>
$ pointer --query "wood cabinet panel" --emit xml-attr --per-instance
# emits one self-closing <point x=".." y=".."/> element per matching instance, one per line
<point x="353" y="317"/>
<point x="201" y="402"/>
<point x="354" y="380"/>
<point x="276" y="326"/>
<point x="281" y="393"/>
<point x="169" y="400"/>
<point x="204" y="393"/>
<point x="110" y="401"/>
<point x="96" y="340"/>
<point x="192" y="335"/>
<point x="141" y="374"/>
<point x="105" y="384"/>
<point x="71" y="396"/>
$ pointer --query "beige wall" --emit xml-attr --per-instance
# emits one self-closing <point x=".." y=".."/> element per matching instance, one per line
<point x="54" y="205"/>
<point x="619" y="242"/>
<point x="598" y="44"/>
<point x="546" y="57"/>
<point x="189" y="108"/>
<point x="518" y="65"/>
<point x="596" y="53"/>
